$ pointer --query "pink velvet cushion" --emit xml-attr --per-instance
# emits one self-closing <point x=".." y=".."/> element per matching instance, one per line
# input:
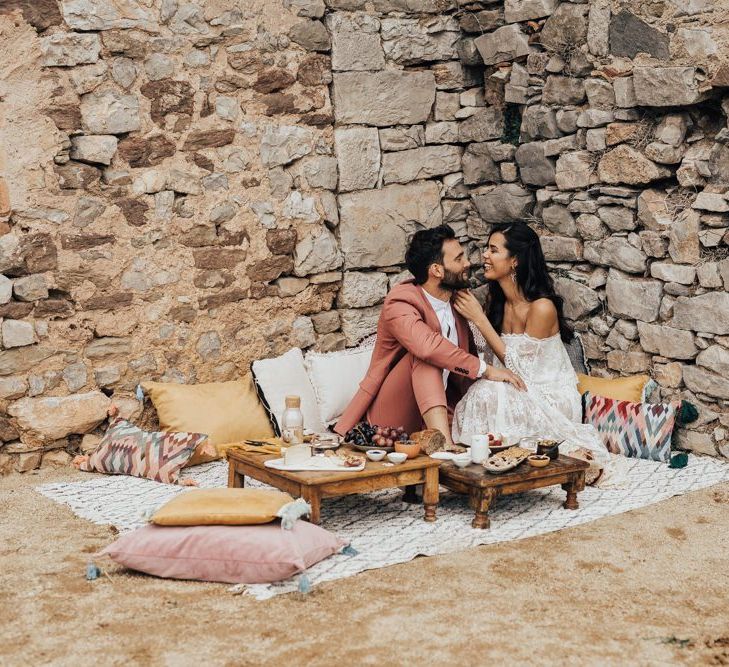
<point x="232" y="554"/>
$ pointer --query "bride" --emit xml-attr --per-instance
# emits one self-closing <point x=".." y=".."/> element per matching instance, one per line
<point x="525" y="328"/>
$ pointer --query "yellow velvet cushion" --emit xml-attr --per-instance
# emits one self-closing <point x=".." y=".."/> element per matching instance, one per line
<point x="226" y="411"/>
<point x="621" y="389"/>
<point x="228" y="507"/>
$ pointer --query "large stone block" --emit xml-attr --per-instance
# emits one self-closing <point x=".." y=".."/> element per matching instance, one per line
<point x="617" y="218"/>
<point x="524" y="10"/>
<point x="715" y="358"/>
<point x="558" y="220"/>
<point x="284" y="144"/>
<point x="478" y="165"/>
<point x="420" y="163"/>
<point x="566" y="26"/>
<point x="110" y="112"/>
<point x="504" y="203"/>
<point x="317" y="252"/>
<point x="667" y="341"/>
<point x="17" y="333"/>
<point x="358" y="152"/>
<point x="44" y="420"/>
<point x="598" y="27"/>
<point x="97" y="149"/>
<point x="667" y="86"/>
<point x="66" y="49"/>
<point x="356" y="44"/>
<point x="358" y="323"/>
<point x="105" y="15"/>
<point x="625" y="164"/>
<point x="375" y="225"/>
<point x="683" y="238"/>
<point x="707" y="313"/>
<point x="402" y="138"/>
<point x="634" y="299"/>
<point x="563" y="90"/>
<point x="383" y="98"/>
<point x="615" y="251"/>
<point x="561" y="248"/>
<point x="360" y="289"/>
<point x="579" y="300"/>
<point x="673" y="273"/>
<point x="311" y="35"/>
<point x="705" y="382"/>
<point x="410" y="41"/>
<point x="506" y="43"/>
<point x="484" y="125"/>
<point x="628" y="361"/>
<point x="574" y="170"/>
<point x="630" y="36"/>
<point x="539" y="122"/>
<point x="534" y="167"/>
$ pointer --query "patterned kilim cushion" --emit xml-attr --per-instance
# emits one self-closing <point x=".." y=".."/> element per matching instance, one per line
<point x="128" y="450"/>
<point x="640" y="430"/>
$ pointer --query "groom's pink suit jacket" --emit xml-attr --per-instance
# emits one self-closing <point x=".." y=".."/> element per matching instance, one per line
<point x="408" y="325"/>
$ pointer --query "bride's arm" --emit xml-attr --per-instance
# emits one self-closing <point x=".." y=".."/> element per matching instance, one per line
<point x="468" y="306"/>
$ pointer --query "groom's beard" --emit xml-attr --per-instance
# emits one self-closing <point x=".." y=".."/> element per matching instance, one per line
<point x="455" y="281"/>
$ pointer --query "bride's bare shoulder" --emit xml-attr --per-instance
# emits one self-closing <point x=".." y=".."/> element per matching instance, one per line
<point x="541" y="318"/>
<point x="542" y="308"/>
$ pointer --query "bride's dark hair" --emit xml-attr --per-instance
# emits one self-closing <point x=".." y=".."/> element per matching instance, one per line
<point x="532" y="275"/>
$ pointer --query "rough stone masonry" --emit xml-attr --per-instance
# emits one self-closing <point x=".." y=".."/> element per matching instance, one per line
<point x="186" y="186"/>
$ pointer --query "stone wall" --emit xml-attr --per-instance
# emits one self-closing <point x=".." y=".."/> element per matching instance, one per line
<point x="187" y="186"/>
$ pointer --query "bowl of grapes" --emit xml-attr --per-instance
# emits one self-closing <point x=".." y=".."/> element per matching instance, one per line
<point x="366" y="436"/>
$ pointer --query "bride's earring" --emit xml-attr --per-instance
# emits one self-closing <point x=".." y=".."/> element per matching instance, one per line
<point x="513" y="276"/>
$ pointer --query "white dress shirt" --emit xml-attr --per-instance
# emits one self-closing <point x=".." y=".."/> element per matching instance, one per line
<point x="446" y="318"/>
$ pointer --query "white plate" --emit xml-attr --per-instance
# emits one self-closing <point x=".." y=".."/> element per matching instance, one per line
<point x="315" y="464"/>
<point x="447" y="456"/>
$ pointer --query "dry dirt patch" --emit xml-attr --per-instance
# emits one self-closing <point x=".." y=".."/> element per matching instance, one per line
<point x="646" y="588"/>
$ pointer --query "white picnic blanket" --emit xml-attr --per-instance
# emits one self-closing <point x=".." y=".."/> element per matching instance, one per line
<point x="383" y="529"/>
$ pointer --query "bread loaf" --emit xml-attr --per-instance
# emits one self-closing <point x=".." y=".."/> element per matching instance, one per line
<point x="431" y="440"/>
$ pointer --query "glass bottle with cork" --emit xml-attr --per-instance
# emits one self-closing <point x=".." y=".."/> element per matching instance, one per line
<point x="292" y="421"/>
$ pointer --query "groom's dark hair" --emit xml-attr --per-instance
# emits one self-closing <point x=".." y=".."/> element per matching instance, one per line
<point x="426" y="248"/>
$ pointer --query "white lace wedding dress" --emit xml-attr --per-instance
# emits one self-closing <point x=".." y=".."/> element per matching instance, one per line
<point x="550" y="408"/>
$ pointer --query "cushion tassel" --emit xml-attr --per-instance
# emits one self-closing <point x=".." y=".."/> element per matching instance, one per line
<point x="678" y="460"/>
<point x="291" y="512"/>
<point x="92" y="572"/>
<point x="304" y="584"/>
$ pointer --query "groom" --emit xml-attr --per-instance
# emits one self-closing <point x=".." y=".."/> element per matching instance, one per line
<point x="424" y="358"/>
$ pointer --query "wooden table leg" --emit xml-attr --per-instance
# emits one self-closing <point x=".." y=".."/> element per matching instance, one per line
<point x="410" y="494"/>
<point x="573" y="487"/>
<point x="481" y="501"/>
<point x="235" y="479"/>
<point x="430" y="493"/>
<point x="312" y="496"/>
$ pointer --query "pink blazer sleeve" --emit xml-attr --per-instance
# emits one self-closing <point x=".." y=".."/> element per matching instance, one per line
<point x="408" y="327"/>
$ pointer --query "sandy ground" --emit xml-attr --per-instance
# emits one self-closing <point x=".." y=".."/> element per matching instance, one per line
<point x="648" y="587"/>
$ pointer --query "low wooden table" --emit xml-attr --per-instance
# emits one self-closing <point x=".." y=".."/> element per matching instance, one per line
<point x="484" y="487"/>
<point x="313" y="486"/>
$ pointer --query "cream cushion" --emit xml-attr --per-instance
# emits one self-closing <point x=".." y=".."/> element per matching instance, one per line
<point x="283" y="376"/>
<point x="335" y="377"/>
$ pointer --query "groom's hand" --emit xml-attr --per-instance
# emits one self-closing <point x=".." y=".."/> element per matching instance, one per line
<point x="504" y="375"/>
